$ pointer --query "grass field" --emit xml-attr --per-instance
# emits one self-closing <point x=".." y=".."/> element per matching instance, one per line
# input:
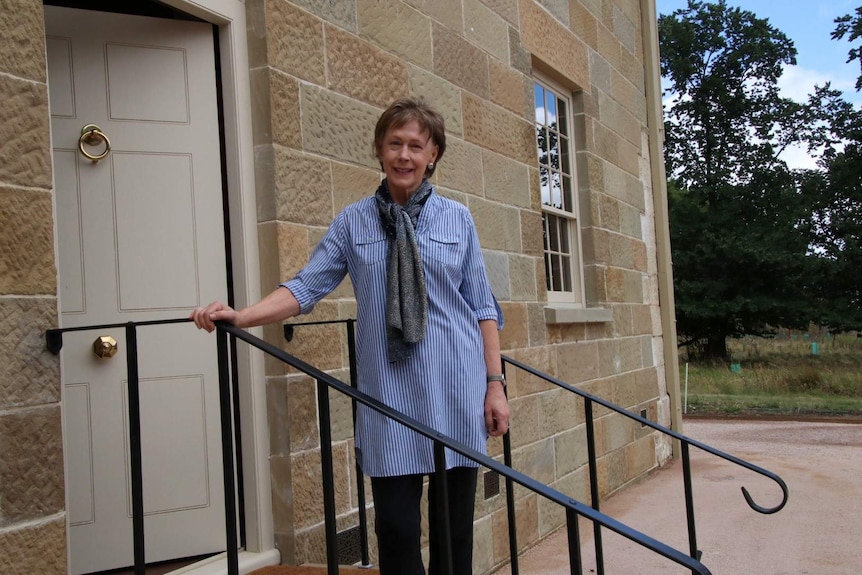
<point x="782" y="375"/>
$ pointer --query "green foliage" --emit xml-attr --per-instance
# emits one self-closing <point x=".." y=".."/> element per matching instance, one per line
<point x="741" y="225"/>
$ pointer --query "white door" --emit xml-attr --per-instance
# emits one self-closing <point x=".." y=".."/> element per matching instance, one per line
<point x="140" y="236"/>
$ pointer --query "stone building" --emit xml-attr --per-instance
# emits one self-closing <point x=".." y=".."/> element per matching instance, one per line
<point x="233" y="132"/>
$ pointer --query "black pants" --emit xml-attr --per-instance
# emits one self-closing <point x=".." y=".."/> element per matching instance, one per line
<point x="398" y="522"/>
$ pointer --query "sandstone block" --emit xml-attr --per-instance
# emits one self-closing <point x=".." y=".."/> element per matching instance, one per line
<point x="511" y="89"/>
<point x="319" y="345"/>
<point x="554" y="43"/>
<point x="559" y="410"/>
<point x="524" y="420"/>
<point x="536" y="460"/>
<point x="507" y="9"/>
<point x="629" y="96"/>
<point x="461" y="168"/>
<point x="615" y="149"/>
<point x="397" y="27"/>
<point x="440" y="94"/>
<point x="486" y="29"/>
<point x="31" y="464"/>
<point x="362" y="71"/>
<point x="351" y="184"/>
<point x="25" y="157"/>
<point x="640" y="456"/>
<point x="499" y="130"/>
<point x="506" y="180"/>
<point x="532" y="238"/>
<point x="536" y="319"/>
<point x="609" y="212"/>
<point x="22" y="39"/>
<point x="608" y="46"/>
<point x="497" y="268"/>
<point x="521" y="383"/>
<point x="306" y="478"/>
<point x="460" y="62"/>
<point x="341" y="411"/>
<point x="294" y="41"/>
<point x="497" y="225"/>
<point x="623" y="185"/>
<point x="632" y="68"/>
<point x="570" y="448"/>
<point x="625" y="30"/>
<point x="36" y="548"/>
<point x="264" y="181"/>
<point x="483" y="546"/>
<point x="577" y="362"/>
<point x="278" y="416"/>
<point x="519" y="57"/>
<point x="27" y="260"/>
<point x="600" y="72"/>
<point x="522" y="278"/>
<point x="584" y="24"/>
<point x="303" y="188"/>
<point x="338" y="127"/>
<point x="29" y="374"/>
<point x="552" y="516"/>
<point x="284" y="108"/>
<point x="526" y="519"/>
<point x="612" y="472"/>
<point x="514" y="334"/>
<point x="630" y="221"/>
<point x="447" y="12"/>
<point x="282" y="493"/>
<point x="620" y="120"/>
<point x="302" y="408"/>
<point x="341" y="13"/>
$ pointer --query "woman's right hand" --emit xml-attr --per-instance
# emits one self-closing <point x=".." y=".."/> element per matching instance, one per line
<point x="205" y="317"/>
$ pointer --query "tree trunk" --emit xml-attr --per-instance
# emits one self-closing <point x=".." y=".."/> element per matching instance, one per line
<point x="716" y="348"/>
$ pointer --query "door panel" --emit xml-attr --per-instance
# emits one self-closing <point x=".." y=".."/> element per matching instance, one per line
<point x="140" y="238"/>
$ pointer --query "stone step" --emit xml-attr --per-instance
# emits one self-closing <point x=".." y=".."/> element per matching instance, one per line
<point x="311" y="570"/>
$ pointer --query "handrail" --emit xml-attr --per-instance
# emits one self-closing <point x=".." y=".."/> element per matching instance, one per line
<point x="573" y="506"/>
<point x="685" y="441"/>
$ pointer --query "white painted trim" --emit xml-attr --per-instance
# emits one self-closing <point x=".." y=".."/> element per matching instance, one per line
<point x="229" y="15"/>
<point x="217" y="564"/>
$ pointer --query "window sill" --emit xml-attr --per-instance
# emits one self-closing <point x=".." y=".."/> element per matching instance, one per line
<point x="569" y="313"/>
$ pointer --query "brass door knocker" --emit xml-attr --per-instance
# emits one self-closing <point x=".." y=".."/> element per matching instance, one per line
<point x="92" y="135"/>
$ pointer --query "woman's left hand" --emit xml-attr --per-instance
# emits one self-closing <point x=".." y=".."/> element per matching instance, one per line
<point x="496" y="410"/>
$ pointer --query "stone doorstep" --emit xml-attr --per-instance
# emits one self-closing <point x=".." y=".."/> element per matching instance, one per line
<point x="311" y="570"/>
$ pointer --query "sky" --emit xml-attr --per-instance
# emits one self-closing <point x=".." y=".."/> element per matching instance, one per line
<point x="819" y="59"/>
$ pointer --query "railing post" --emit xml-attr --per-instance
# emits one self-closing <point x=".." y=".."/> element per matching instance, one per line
<point x="689" y="502"/>
<point x="360" y="482"/>
<point x="510" y="497"/>
<point x="328" y="477"/>
<point x="227" y="453"/>
<point x="444" y="529"/>
<point x="574" y="533"/>
<point x="594" y="483"/>
<point x="135" y="463"/>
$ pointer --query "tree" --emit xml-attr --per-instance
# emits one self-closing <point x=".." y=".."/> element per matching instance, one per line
<point x="741" y="223"/>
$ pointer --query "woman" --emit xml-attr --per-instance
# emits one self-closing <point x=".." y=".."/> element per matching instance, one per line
<point x="427" y="344"/>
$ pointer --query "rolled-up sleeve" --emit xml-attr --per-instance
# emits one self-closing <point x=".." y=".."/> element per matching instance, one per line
<point x="475" y="287"/>
<point x="325" y="269"/>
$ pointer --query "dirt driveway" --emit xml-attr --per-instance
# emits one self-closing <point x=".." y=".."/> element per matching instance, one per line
<point x="819" y="532"/>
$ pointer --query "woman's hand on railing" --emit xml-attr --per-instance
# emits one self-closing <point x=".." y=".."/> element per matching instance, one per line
<point x="205" y="317"/>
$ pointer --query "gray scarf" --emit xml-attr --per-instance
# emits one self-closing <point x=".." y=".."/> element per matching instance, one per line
<point x="406" y="298"/>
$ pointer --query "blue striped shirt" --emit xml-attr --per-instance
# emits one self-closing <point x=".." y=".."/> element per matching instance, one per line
<point x="442" y="384"/>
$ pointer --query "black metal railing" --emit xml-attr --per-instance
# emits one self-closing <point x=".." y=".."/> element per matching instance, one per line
<point x="589" y="401"/>
<point x="573" y="508"/>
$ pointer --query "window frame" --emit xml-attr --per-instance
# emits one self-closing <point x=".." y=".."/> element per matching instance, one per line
<point x="576" y="296"/>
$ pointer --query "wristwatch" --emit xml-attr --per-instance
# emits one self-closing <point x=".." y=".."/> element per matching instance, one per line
<point x="496" y="377"/>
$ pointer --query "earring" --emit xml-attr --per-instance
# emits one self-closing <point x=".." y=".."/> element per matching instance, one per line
<point x="430" y="166"/>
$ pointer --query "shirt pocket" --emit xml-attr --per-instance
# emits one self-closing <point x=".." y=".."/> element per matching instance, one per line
<point x="445" y="247"/>
<point x="371" y="249"/>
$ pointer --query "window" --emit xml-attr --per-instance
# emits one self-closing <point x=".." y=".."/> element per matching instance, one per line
<point x="559" y="194"/>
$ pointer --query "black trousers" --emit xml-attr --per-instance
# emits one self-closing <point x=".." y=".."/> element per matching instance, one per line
<point x="398" y="522"/>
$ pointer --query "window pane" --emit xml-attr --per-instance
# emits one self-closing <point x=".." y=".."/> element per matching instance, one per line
<point x="565" y="156"/>
<point x="545" y="235"/>
<point x="553" y="234"/>
<point x="547" y="271"/>
<point x="542" y="145"/>
<point x="567" y="194"/>
<point x="551" y="108"/>
<point x="556" y="284"/>
<point x="539" y="95"/>
<point x="564" y="236"/>
<point x="544" y="181"/>
<point x="554" y="150"/>
<point x="564" y="117"/>
<point x="567" y="273"/>
<point x="556" y="191"/>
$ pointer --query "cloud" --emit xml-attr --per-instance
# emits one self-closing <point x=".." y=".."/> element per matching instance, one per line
<point x="797" y="82"/>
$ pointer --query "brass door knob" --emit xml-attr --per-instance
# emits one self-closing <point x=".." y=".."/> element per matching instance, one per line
<point x="105" y="347"/>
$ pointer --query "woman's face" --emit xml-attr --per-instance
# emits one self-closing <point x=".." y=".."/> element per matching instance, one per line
<point x="405" y="153"/>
